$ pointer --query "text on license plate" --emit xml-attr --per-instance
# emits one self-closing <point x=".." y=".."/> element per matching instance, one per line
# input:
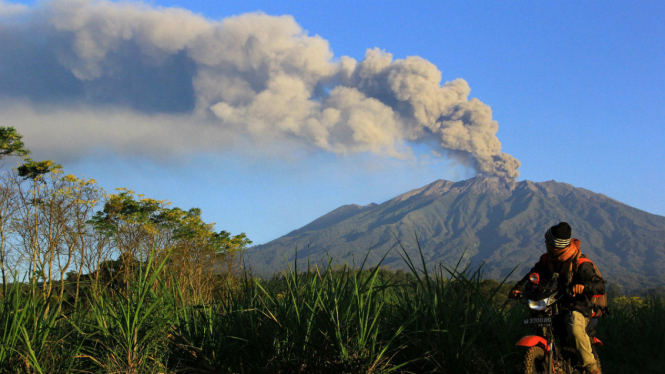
<point x="538" y="321"/>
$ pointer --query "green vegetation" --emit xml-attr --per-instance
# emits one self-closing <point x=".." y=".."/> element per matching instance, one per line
<point x="335" y="320"/>
<point x="139" y="287"/>
<point x="634" y="335"/>
<point x="11" y="143"/>
<point x="82" y="291"/>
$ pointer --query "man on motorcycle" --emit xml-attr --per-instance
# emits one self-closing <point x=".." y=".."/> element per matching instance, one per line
<point x="563" y="257"/>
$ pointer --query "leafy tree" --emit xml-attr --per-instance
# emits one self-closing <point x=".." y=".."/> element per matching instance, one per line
<point x="35" y="170"/>
<point x="11" y="144"/>
<point x="50" y="222"/>
<point x="231" y="244"/>
<point x="136" y="226"/>
<point x="47" y="220"/>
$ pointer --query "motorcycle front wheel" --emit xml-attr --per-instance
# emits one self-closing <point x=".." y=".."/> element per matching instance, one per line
<point x="535" y="361"/>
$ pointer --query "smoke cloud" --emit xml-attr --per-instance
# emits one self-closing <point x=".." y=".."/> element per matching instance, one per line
<point x="77" y="75"/>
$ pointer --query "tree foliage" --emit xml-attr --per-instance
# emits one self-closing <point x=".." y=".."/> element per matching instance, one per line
<point x="139" y="227"/>
<point x="11" y="143"/>
<point x="155" y="218"/>
<point x="35" y="170"/>
<point x="52" y="229"/>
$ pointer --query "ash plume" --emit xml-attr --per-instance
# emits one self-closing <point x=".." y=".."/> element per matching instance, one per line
<point x="123" y="75"/>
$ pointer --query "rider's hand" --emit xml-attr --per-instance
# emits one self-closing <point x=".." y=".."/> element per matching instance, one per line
<point x="514" y="294"/>
<point x="578" y="289"/>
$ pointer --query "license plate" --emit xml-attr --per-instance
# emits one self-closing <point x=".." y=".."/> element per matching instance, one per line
<point x="538" y="321"/>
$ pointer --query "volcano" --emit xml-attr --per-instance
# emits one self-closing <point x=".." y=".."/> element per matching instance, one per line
<point x="479" y="221"/>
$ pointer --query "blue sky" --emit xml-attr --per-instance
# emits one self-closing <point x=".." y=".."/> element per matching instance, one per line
<point x="577" y="89"/>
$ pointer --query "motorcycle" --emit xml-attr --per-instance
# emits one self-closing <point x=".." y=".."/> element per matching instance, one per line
<point x="546" y="354"/>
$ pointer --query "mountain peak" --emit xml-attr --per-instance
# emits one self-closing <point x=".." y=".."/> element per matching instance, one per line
<point x="477" y="185"/>
<point x="482" y="220"/>
<point x="484" y="184"/>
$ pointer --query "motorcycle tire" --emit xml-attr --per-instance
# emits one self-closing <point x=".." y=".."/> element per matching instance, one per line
<point x="535" y="361"/>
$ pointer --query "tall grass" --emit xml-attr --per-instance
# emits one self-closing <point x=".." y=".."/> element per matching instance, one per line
<point x="634" y="336"/>
<point x="35" y="334"/>
<point x="322" y="319"/>
<point x="126" y="329"/>
<point x="450" y="324"/>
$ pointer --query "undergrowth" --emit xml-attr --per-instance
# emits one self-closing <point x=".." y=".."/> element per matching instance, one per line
<point x="333" y="319"/>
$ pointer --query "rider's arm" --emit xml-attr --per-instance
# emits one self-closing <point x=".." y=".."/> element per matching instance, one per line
<point x="593" y="284"/>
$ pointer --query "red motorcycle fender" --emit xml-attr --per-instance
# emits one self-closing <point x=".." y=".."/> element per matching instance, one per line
<point x="596" y="341"/>
<point x="533" y="340"/>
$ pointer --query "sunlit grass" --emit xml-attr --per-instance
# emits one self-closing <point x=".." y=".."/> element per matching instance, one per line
<point x="323" y="319"/>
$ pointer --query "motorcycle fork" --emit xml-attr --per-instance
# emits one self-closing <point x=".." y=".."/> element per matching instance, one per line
<point x="551" y="369"/>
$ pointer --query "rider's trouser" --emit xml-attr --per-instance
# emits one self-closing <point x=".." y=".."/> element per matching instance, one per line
<point x="576" y="326"/>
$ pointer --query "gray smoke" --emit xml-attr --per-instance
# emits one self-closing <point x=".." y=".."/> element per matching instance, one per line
<point x="76" y="75"/>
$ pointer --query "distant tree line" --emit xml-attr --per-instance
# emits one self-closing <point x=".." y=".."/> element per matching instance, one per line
<point x="58" y="229"/>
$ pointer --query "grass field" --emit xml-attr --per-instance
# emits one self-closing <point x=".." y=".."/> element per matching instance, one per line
<point x="333" y="320"/>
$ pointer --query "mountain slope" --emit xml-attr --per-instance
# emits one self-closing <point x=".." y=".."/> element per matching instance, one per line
<point x="500" y="224"/>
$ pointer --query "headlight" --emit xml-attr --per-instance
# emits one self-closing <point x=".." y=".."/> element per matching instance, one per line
<point x="540" y="304"/>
